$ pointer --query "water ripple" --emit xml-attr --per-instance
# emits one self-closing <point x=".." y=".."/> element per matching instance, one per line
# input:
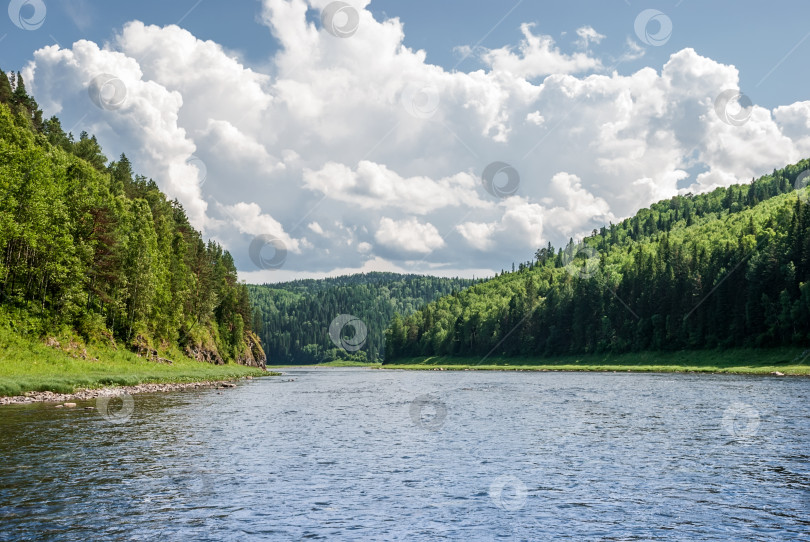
<point x="339" y="454"/>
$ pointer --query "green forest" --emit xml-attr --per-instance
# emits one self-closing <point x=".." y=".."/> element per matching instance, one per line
<point x="293" y="318"/>
<point x="723" y="269"/>
<point x="88" y="247"/>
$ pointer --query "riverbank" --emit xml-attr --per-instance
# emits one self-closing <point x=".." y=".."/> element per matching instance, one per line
<point x="376" y="365"/>
<point x="777" y="361"/>
<point x="28" y="365"/>
<point x="89" y="394"/>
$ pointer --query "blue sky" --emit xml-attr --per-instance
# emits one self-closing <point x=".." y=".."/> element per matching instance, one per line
<point x="359" y="153"/>
<point x="755" y="36"/>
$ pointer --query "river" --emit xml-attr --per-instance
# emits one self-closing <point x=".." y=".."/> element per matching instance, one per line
<point x="362" y="454"/>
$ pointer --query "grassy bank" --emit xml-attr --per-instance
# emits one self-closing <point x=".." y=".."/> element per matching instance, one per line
<point x="330" y="364"/>
<point x="30" y="365"/>
<point x="349" y="364"/>
<point x="793" y="361"/>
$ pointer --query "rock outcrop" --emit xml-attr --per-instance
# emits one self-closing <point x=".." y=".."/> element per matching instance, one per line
<point x="202" y="353"/>
<point x="254" y="355"/>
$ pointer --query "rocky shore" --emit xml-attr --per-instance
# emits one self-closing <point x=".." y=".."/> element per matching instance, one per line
<point x="87" y="394"/>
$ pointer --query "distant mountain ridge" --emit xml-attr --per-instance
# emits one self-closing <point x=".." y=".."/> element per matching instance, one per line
<point x="728" y="268"/>
<point x="293" y="318"/>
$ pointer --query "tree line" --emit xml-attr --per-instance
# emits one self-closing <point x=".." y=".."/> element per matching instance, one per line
<point x="723" y="269"/>
<point x="90" y="247"/>
<point x="293" y="318"/>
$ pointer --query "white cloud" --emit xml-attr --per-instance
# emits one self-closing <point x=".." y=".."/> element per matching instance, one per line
<point x="408" y="235"/>
<point x="632" y="51"/>
<point x="374" y="185"/>
<point x="478" y="234"/>
<point x="581" y="207"/>
<point x="794" y="122"/>
<point x="535" y="118"/>
<point x="538" y="56"/>
<point x="377" y="157"/>
<point x="249" y="219"/>
<point x="240" y="149"/>
<point x="588" y="35"/>
<point x="520" y="223"/>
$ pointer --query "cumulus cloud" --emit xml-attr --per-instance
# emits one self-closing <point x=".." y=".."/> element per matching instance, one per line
<point x="538" y="56"/>
<point x="248" y="218"/>
<point x="359" y="154"/>
<point x="408" y="235"/>
<point x="373" y="185"/>
<point x="581" y="207"/>
<point x="519" y="220"/>
<point x="794" y="122"/>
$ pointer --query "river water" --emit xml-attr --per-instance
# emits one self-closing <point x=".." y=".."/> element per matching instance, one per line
<point x="361" y="454"/>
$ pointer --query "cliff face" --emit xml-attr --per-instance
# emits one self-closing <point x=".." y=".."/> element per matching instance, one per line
<point x="202" y="353"/>
<point x="254" y="355"/>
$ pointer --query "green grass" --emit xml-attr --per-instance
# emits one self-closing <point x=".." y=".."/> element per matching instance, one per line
<point x="793" y="361"/>
<point x="338" y="363"/>
<point x="28" y="365"/>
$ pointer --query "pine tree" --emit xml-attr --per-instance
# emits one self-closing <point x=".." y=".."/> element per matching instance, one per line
<point x="5" y="88"/>
<point x="20" y="96"/>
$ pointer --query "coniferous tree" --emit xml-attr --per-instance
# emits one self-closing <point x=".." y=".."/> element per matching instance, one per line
<point x="102" y="251"/>
<point x="6" y="92"/>
<point x="729" y="268"/>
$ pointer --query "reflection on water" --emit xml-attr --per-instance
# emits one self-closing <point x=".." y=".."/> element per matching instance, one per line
<point x="366" y="454"/>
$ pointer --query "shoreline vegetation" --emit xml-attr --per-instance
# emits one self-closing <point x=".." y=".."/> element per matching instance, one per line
<point x="104" y="281"/>
<point x="93" y="253"/>
<point x="787" y="361"/>
<point x="87" y="394"/>
<point x="726" y="269"/>
<point x="29" y="365"/>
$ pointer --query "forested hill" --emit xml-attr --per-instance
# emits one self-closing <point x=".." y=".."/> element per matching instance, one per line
<point x="89" y="248"/>
<point x="295" y="317"/>
<point x="723" y="269"/>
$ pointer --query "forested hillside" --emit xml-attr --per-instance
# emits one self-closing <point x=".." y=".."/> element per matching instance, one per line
<point x="295" y="316"/>
<point x="728" y="268"/>
<point x="88" y="247"/>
